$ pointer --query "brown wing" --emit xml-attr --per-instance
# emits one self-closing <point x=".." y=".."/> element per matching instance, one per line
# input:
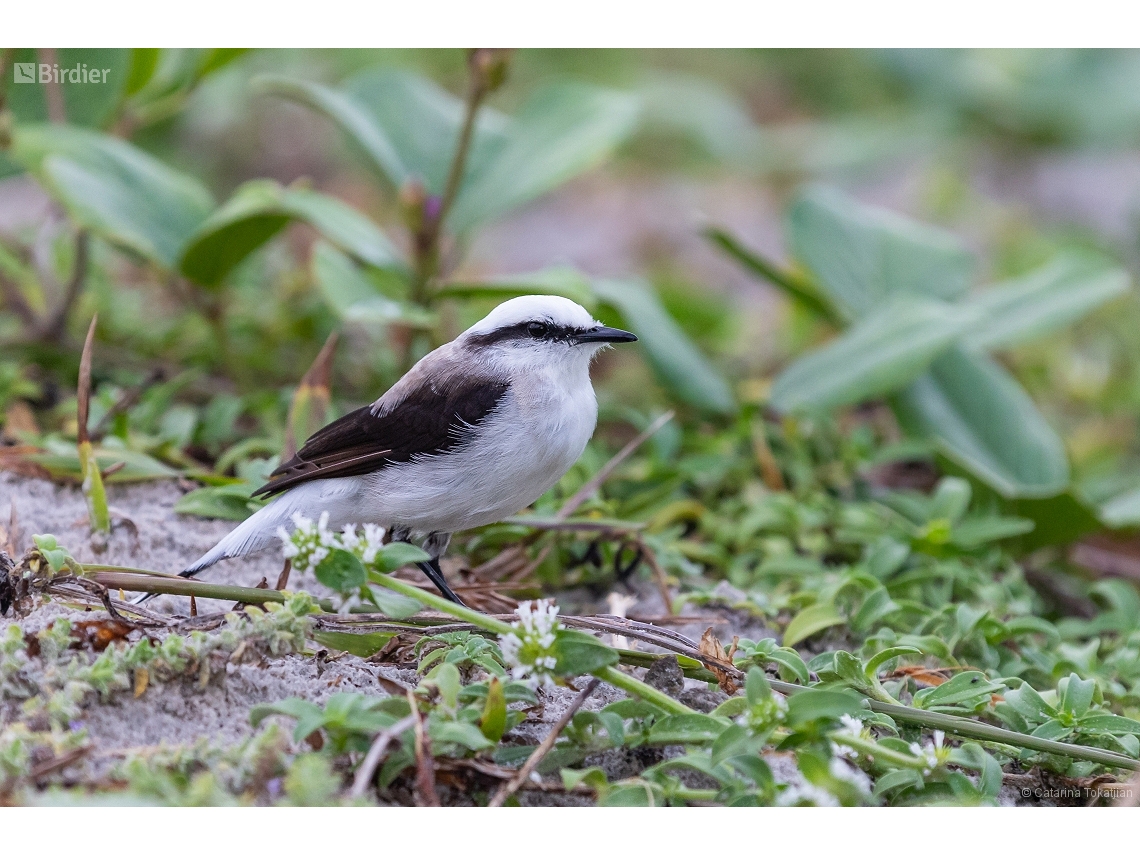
<point x="428" y="420"/>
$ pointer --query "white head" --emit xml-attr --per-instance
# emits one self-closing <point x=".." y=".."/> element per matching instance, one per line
<point x="540" y="331"/>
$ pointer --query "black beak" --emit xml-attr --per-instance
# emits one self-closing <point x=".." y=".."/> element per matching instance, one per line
<point x="607" y="335"/>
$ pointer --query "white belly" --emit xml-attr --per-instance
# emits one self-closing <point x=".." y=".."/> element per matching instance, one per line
<point x="520" y="452"/>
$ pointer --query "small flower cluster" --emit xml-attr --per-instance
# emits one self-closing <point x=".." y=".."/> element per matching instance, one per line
<point x="935" y="754"/>
<point x="841" y="771"/>
<point x="801" y="793"/>
<point x="527" y="650"/>
<point x="853" y="727"/>
<point x="309" y="544"/>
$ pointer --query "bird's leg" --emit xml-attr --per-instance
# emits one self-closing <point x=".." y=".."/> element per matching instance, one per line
<point x="435" y="546"/>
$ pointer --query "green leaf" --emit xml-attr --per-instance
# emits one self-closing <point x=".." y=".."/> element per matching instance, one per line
<point x="972" y="533"/>
<point x="883" y="352"/>
<point x="811" y="620"/>
<point x="690" y="729"/>
<point x="461" y="733"/>
<point x="580" y="653"/>
<point x="358" y="644"/>
<point x="967" y="689"/>
<point x="1077" y="695"/>
<point x="799" y="289"/>
<point x="674" y="358"/>
<point x="1102" y="722"/>
<point x="1050" y="297"/>
<point x="986" y="423"/>
<point x="259" y="209"/>
<point x="493" y="722"/>
<point x="63" y="460"/>
<point x="356" y="293"/>
<point x="395" y="555"/>
<point x="118" y="191"/>
<point x="393" y="605"/>
<point x="406" y="125"/>
<point x="863" y="256"/>
<point x="341" y="571"/>
<point x="871" y="669"/>
<point x="227" y="502"/>
<point x="822" y="704"/>
<point x="563" y="130"/>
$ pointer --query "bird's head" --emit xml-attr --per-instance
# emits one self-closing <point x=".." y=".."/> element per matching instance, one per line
<point x="539" y="331"/>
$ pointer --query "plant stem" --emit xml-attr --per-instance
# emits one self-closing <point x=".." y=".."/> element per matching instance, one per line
<point x="874" y="749"/>
<point x="190" y="588"/>
<point x="441" y="605"/>
<point x="646" y="692"/>
<point x="987" y="732"/>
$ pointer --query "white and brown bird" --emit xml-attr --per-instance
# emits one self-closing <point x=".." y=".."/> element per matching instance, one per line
<point x="473" y="433"/>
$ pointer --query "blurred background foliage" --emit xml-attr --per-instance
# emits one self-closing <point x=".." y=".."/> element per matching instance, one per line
<point x="795" y="235"/>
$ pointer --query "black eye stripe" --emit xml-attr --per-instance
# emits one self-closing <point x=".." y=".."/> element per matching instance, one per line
<point x="521" y="332"/>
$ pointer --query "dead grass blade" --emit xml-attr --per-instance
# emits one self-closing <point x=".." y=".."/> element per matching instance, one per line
<point x="375" y="754"/>
<point x="93" y="490"/>
<point x="425" y="769"/>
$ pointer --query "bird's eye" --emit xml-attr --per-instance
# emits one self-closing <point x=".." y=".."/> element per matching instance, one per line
<point x="536" y="329"/>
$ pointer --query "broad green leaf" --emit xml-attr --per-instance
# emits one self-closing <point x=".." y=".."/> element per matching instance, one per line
<point x="798" y="288"/>
<point x="395" y="555"/>
<point x="259" y="209"/>
<point x="341" y="571"/>
<point x="951" y="499"/>
<point x="63" y="460"/>
<point x="822" y="703"/>
<point x="967" y="689"/>
<point x="1050" y="297"/>
<point x="580" y="653"/>
<point x="811" y="620"/>
<point x="393" y="605"/>
<point x="1102" y="722"/>
<point x="862" y="255"/>
<point x="360" y="294"/>
<point x="1077" y="695"/>
<point x="225" y="502"/>
<point x="563" y="130"/>
<point x="406" y="124"/>
<point x="1122" y="510"/>
<point x="986" y="423"/>
<point x="881" y="353"/>
<point x="118" y="191"/>
<point x="675" y="359"/>
<point x="358" y="644"/>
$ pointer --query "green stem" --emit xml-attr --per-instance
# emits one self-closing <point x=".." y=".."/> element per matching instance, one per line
<point x="879" y="752"/>
<point x="634" y="686"/>
<point x="189" y="588"/>
<point x="440" y="604"/>
<point x="988" y="732"/>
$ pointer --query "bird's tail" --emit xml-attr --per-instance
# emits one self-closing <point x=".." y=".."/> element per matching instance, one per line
<point x="256" y="533"/>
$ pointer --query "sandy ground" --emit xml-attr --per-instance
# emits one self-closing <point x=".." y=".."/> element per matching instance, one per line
<point x="181" y="712"/>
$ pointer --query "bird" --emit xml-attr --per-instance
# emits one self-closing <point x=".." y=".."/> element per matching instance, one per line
<point x="474" y="432"/>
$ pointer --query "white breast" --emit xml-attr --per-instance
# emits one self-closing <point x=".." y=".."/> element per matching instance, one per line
<point x="517" y="453"/>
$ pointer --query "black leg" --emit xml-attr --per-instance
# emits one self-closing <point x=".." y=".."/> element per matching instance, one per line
<point x="432" y="571"/>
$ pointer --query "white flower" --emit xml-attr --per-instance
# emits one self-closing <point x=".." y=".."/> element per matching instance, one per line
<point x="843" y="772"/>
<point x="527" y="649"/>
<point x="309" y="544"/>
<point x="803" y="794"/>
<point x="934" y="754"/>
<point x="853" y="727"/>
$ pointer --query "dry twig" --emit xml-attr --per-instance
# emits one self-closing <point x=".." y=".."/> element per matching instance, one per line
<point x="510" y="787"/>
